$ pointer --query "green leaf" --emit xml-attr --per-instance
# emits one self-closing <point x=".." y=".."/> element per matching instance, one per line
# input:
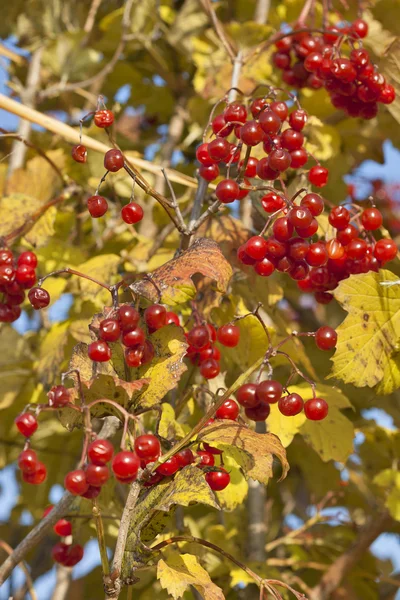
<point x="389" y="480"/>
<point x="179" y="571"/>
<point x="368" y="338"/>
<point x="253" y="451"/>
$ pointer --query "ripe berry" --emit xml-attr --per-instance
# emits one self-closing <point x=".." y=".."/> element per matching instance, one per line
<point x="300" y="217"/>
<point x="299" y="158"/>
<point x="220" y="127"/>
<point x="125" y="465"/>
<point x="198" y="337"/>
<point x="282" y="229"/>
<point x="227" y="191"/>
<point x="147" y="446"/>
<point x="7" y="274"/>
<point x="6" y="257"/>
<point x="97" y="475"/>
<point x="211" y="352"/>
<point x="290" y="405"/>
<point x="92" y="492"/>
<point x="27" y="461"/>
<point x="344" y="236"/>
<point x="169" y="467"/>
<point x="128" y="317"/>
<point x="218" y="480"/>
<point x="103" y="118"/>
<point x="298" y="119"/>
<point x="99" y="351"/>
<point x="132" y="213"/>
<point x="63" y="528"/>
<point x="97" y="206"/>
<point x="251" y="133"/>
<point x="280" y="109"/>
<point x="335" y="249"/>
<point x="235" y="112"/>
<point x="28" y="258"/>
<point x="256" y="247"/>
<point x="209" y="173"/>
<point x="25" y="276"/>
<point x="356" y="249"/>
<point x="202" y="155"/>
<point x="258" y="413"/>
<point x="59" y="552"/>
<point x="269" y="391"/>
<point x="148" y="352"/>
<point x="171" y="318"/>
<point x="317" y="254"/>
<point x="318" y="176"/>
<point x="272" y="202"/>
<point x="114" y="160"/>
<point x="210" y="368"/>
<point x="228" y="410"/>
<point x="292" y="139"/>
<point x="207" y="458"/>
<point x="270" y="122"/>
<point x="279" y="160"/>
<point x="109" y="330"/>
<point x="155" y="316"/>
<point x="228" y="335"/>
<point x="135" y="337"/>
<point x="134" y="356"/>
<point x="219" y="149"/>
<point x="247" y="395"/>
<point x="371" y="219"/>
<point x="26" y="424"/>
<point x="79" y="153"/>
<point x="325" y="338"/>
<point x="74" y="554"/>
<point x="316" y="409"/>
<point x="359" y="28"/>
<point x="251" y="167"/>
<point x="75" y="482"/>
<point x="385" y="250"/>
<point x="264" y="267"/>
<point x="339" y="217"/>
<point x="185" y="457"/>
<point x="100" y="452"/>
<point x="297" y="248"/>
<point x="58" y="396"/>
<point x="314" y="203"/>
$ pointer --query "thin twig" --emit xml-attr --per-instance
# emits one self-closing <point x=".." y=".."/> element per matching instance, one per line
<point x="208" y="7"/>
<point x="29" y="583"/>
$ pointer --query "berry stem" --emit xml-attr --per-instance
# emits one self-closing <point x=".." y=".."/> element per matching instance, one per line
<point x="78" y="274"/>
<point x="297" y="370"/>
<point x="101" y="538"/>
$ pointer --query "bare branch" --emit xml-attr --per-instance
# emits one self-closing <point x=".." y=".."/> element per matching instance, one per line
<point x="262" y="10"/>
<point x="63" y="582"/>
<point x="208" y="7"/>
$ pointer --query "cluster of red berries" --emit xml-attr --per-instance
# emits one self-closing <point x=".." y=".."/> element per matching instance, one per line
<point x="17" y="274"/>
<point x="63" y="552"/>
<point x="283" y="147"/>
<point x="113" y="161"/>
<point x="317" y="266"/>
<point x="124" y="326"/>
<point x="355" y="85"/>
<point x="202" y="350"/>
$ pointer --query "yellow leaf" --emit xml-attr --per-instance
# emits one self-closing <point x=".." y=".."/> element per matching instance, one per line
<point x="103" y="268"/>
<point x="168" y="427"/>
<point x="51" y="353"/>
<point x="15" y="365"/>
<point x="38" y="180"/>
<point x="43" y="228"/>
<point x="390" y="66"/>
<point x="368" y="338"/>
<point x="253" y="451"/>
<point x="236" y="492"/>
<point x="389" y="480"/>
<point x="189" y="487"/>
<point x="331" y="438"/>
<point x="179" y="571"/>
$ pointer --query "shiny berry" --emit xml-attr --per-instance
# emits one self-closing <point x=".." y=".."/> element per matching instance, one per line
<point x="359" y="29"/>
<point x="27" y="461"/>
<point x="228" y="410"/>
<point x="325" y="338"/>
<point x="258" y="413"/>
<point x="155" y="316"/>
<point x="316" y="409"/>
<point x="371" y="219"/>
<point x="128" y="317"/>
<point x="28" y="258"/>
<point x="247" y="395"/>
<point x="97" y="475"/>
<point x="63" y="528"/>
<point x="6" y="257"/>
<point x="134" y="337"/>
<point x="147" y="446"/>
<point x="218" y="480"/>
<point x="210" y="368"/>
<point x="109" y="330"/>
<point x="228" y="335"/>
<point x="317" y="254"/>
<point x="251" y="133"/>
<point x="103" y="118"/>
<point x="169" y="467"/>
<point x="26" y="424"/>
<point x="318" y="176"/>
<point x="209" y="172"/>
<point x="79" y="153"/>
<point x="339" y="217"/>
<point x="132" y="213"/>
<point x="298" y="119"/>
<point x="385" y="250"/>
<point x="198" y="337"/>
<point x="99" y="351"/>
<point x="100" y="452"/>
<point x="114" y="160"/>
<point x="74" y="555"/>
<point x="185" y="457"/>
<point x="269" y="391"/>
<point x="125" y="465"/>
<point x="25" y="275"/>
<point x="256" y="247"/>
<point x="75" y="482"/>
<point x="97" y="206"/>
<point x="290" y="405"/>
<point x="218" y="149"/>
<point x="58" y="396"/>
<point x="207" y="458"/>
<point x="227" y="191"/>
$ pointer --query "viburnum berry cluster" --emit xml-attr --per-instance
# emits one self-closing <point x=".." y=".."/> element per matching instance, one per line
<point x="64" y="552"/>
<point x="315" y="60"/>
<point x="202" y="350"/>
<point x="17" y="274"/>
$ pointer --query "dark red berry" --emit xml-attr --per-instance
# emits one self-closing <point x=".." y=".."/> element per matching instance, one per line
<point x="132" y="213"/>
<point x="247" y="395"/>
<point x="385" y="250"/>
<point x="109" y="330"/>
<point x="227" y="191"/>
<point x="134" y="337"/>
<point x="25" y="275"/>
<point x="210" y="368"/>
<point x="198" y="337"/>
<point x="99" y="351"/>
<point x="28" y="258"/>
<point x="325" y="338"/>
<point x="339" y="217"/>
<point x="155" y="316"/>
<point x="169" y="467"/>
<point x="316" y="409"/>
<point x="371" y="219"/>
<point x="318" y="176"/>
<point x="128" y="317"/>
<point x="27" y="461"/>
<point x="185" y="457"/>
<point x="291" y="405"/>
<point x="147" y="446"/>
<point x="58" y="396"/>
<point x="79" y="153"/>
<point x="97" y="206"/>
<point x="258" y="413"/>
<point x="228" y="410"/>
<point x="207" y="458"/>
<point x="114" y="160"/>
<point x="97" y="475"/>
<point x="269" y="391"/>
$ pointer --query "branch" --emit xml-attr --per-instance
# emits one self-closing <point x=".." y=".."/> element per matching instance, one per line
<point x="29" y="582"/>
<point x="256" y="526"/>
<point x="72" y="135"/>
<point x="35" y="536"/>
<point x="209" y="9"/>
<point x="262" y="10"/>
<point x="63" y="582"/>
<point x="338" y="570"/>
<point x="112" y="584"/>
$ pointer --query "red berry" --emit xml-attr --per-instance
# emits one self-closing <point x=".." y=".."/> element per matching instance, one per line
<point x="38" y="477"/>
<point x="272" y="202"/>
<point x="235" y="112"/>
<point x="97" y="475"/>
<point x="26" y="424"/>
<point x="270" y="122"/>
<point x="155" y="316"/>
<point x="300" y="217"/>
<point x="135" y="337"/>
<point x="209" y="173"/>
<point x="171" y="318"/>
<point x="280" y="109"/>
<point x="59" y="552"/>
<point x="344" y="236"/>
<point x="79" y="153"/>
<point x="298" y="119"/>
<point x="114" y="160"/>
<point x="317" y="254"/>
<point x="109" y="330"/>
<point x="6" y="257"/>
<point x="371" y="219"/>
<point x="132" y="213"/>
<point x="185" y="457"/>
<point x="218" y="480"/>
<point x="100" y="452"/>
<point x="211" y="352"/>
<point x="228" y="335"/>
<point x="299" y="158"/>
<point x="247" y="395"/>
<point x="128" y="317"/>
<point x="325" y="338"/>
<point x="316" y="409"/>
<point x="292" y="139"/>
<point x="387" y="95"/>
<point x="339" y="217"/>
<point x="210" y="368"/>
<point x="73" y="556"/>
<point x="279" y="160"/>
<point x="219" y="149"/>
<point x="227" y="191"/>
<point x="207" y="458"/>
<point x="282" y="229"/>
<point x="7" y="274"/>
<point x="359" y="28"/>
<point x="28" y="258"/>
<point x="134" y="356"/>
<point x="318" y="176"/>
<point x="99" y="351"/>
<point x="92" y="492"/>
<point x="147" y="446"/>
<point x="220" y="127"/>
<point x="198" y="337"/>
<point x="125" y="465"/>
<point x="103" y="118"/>
<point x="290" y="405"/>
<point x="97" y="206"/>
<point x="75" y="482"/>
<point x="203" y="157"/>
<point x="269" y="391"/>
<point x="58" y="396"/>
<point x="256" y="247"/>
<point x="228" y="410"/>
<point x="251" y="167"/>
<point x="297" y="248"/>
<point x="169" y="467"/>
<point x="27" y="461"/>
<point x="264" y="267"/>
<point x="25" y="276"/>
<point x="148" y="352"/>
<point x="251" y="133"/>
<point x="258" y="413"/>
<point x="63" y="528"/>
<point x="356" y="249"/>
<point x="385" y="250"/>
